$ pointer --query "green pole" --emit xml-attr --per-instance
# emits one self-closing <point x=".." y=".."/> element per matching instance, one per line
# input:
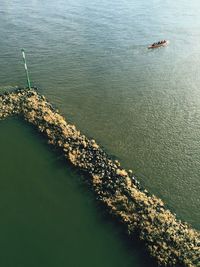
<point x="26" y="69"/>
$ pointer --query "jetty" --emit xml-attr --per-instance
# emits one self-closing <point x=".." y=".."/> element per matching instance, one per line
<point x="170" y="241"/>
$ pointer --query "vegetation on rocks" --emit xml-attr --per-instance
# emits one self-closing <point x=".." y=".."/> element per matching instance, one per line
<point x="169" y="240"/>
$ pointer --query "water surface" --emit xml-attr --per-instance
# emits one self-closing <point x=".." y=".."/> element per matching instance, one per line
<point x="90" y="59"/>
<point x="48" y="215"/>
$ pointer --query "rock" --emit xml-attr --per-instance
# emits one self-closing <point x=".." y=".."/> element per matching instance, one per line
<point x="169" y="240"/>
<point x="121" y="172"/>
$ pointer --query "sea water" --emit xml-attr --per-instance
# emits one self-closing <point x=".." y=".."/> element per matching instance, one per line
<point x="90" y="59"/>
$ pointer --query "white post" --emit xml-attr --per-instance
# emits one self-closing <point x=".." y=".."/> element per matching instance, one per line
<point x="26" y="69"/>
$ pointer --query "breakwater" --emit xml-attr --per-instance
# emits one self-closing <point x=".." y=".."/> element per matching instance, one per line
<point x="169" y="240"/>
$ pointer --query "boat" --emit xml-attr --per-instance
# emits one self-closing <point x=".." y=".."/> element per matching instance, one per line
<point x="159" y="44"/>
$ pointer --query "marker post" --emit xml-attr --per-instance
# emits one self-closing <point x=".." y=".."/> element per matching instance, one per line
<point x="26" y="69"/>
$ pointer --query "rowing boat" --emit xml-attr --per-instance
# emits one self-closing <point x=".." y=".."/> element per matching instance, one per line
<point x="158" y="44"/>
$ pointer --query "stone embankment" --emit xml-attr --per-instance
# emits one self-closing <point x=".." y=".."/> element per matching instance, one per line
<point x="169" y="240"/>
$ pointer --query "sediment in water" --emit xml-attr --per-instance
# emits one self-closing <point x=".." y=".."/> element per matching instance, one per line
<point x="170" y="241"/>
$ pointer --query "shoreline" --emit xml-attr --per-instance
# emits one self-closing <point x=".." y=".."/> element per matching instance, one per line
<point x="167" y="239"/>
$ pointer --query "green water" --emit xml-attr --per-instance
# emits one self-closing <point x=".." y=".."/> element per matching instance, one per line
<point x="48" y="216"/>
<point x="90" y="59"/>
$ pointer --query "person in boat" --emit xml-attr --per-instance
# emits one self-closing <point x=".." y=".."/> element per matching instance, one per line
<point x="159" y="43"/>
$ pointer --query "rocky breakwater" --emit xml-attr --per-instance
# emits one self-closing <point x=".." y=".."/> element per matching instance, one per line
<point x="169" y="240"/>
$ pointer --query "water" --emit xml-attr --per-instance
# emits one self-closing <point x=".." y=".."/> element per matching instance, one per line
<point x="48" y="215"/>
<point x="90" y="59"/>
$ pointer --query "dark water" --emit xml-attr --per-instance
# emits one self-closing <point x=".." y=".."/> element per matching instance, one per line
<point x="90" y="59"/>
<point x="48" y="215"/>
